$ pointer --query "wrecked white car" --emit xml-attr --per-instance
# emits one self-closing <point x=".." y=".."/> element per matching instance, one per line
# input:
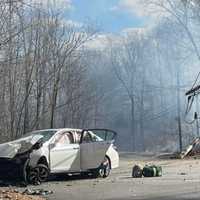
<point x="40" y="153"/>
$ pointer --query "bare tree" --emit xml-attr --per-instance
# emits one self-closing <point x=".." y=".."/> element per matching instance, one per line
<point x="126" y="63"/>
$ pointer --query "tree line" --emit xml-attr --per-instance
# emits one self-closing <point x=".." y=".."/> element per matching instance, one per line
<point x="51" y="77"/>
<point x="43" y="81"/>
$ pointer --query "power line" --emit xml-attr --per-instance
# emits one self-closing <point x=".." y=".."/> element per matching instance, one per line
<point x="195" y="80"/>
<point x="160" y="114"/>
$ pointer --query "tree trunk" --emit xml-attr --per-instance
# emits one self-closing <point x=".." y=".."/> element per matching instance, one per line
<point x="179" y="109"/>
<point x="133" y="124"/>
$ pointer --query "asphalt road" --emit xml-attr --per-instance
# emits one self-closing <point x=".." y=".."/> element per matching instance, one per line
<point x="180" y="180"/>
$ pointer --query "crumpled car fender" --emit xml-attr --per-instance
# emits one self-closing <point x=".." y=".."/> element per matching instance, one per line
<point x="20" y="146"/>
<point x="37" y="154"/>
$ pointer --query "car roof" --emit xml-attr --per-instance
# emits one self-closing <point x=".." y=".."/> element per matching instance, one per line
<point x="59" y="129"/>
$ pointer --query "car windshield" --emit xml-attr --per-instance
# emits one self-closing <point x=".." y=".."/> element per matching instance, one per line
<point x="46" y="134"/>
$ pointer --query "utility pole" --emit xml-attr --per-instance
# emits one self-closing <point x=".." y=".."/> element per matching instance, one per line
<point x="197" y="115"/>
<point x="179" y="109"/>
<point x="195" y="91"/>
<point x="197" y="122"/>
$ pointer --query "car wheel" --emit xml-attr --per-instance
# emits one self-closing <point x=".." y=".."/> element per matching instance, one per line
<point x="104" y="170"/>
<point x="32" y="176"/>
<point x="38" y="174"/>
<point x="43" y="172"/>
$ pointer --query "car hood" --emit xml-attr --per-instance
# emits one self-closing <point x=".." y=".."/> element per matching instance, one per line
<point x="10" y="149"/>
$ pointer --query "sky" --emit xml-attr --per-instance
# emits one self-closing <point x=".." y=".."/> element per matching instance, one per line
<point x="112" y="16"/>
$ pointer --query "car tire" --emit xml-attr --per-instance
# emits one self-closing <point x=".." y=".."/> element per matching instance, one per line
<point x="43" y="171"/>
<point x="32" y="176"/>
<point x="38" y="174"/>
<point x="104" y="170"/>
<point x="25" y="171"/>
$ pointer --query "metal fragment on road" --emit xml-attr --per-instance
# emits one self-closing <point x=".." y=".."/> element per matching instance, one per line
<point x="37" y="192"/>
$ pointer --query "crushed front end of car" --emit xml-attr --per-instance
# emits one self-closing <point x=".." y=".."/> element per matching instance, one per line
<point x="15" y="157"/>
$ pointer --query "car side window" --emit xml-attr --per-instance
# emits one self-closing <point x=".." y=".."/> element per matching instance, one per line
<point x="77" y="136"/>
<point x="64" y="139"/>
<point x="95" y="138"/>
<point x="87" y="138"/>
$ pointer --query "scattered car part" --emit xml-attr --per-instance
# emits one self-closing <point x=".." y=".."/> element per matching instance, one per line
<point x="137" y="171"/>
<point x="37" y="192"/>
<point x="152" y="171"/>
<point x="146" y="171"/>
<point x="149" y="171"/>
<point x="158" y="170"/>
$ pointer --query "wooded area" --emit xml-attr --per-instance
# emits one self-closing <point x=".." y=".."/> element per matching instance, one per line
<point x="51" y="75"/>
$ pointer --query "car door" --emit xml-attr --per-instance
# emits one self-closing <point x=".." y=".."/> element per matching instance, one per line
<point x="64" y="154"/>
<point x="93" y="150"/>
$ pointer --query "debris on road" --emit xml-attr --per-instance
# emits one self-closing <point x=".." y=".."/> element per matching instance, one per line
<point x="41" y="192"/>
<point x="152" y="171"/>
<point x="69" y="185"/>
<point x="165" y="156"/>
<point x="146" y="171"/>
<point x="137" y="171"/>
<point x="183" y="173"/>
<point x="193" y="149"/>
<point x="16" y="195"/>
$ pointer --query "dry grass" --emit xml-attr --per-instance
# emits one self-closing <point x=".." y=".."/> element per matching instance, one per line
<point x="15" y="195"/>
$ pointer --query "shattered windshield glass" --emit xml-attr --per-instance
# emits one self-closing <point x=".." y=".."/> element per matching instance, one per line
<point x="46" y="134"/>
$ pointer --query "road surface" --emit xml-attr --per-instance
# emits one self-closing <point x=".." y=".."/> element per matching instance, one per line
<point x="180" y="180"/>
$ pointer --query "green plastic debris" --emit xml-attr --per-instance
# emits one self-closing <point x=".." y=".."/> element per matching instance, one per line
<point x="152" y="171"/>
<point x="158" y="171"/>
